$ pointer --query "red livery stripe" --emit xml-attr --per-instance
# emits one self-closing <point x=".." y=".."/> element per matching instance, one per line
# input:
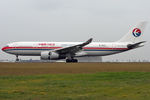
<point x="6" y="48"/>
<point x="104" y="48"/>
<point x="90" y="48"/>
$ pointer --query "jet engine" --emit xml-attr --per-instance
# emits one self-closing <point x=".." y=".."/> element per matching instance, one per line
<point x="47" y="55"/>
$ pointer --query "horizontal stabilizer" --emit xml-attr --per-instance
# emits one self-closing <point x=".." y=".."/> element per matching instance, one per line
<point x="136" y="45"/>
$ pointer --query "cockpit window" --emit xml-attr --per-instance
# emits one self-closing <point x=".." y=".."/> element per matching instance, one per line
<point x="6" y="46"/>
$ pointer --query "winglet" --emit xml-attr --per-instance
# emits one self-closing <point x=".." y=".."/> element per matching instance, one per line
<point x="88" y="42"/>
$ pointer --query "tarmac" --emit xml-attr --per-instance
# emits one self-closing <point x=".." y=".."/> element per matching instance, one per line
<point x="70" y="68"/>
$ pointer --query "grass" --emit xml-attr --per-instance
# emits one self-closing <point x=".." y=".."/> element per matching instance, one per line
<point x="94" y="86"/>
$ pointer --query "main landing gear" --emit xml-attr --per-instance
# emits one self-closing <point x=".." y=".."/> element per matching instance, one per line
<point x="71" y="60"/>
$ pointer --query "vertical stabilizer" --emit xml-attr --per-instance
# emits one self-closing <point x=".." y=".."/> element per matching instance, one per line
<point x="135" y="34"/>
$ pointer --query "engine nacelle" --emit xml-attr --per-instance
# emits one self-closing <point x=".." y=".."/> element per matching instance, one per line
<point x="47" y="55"/>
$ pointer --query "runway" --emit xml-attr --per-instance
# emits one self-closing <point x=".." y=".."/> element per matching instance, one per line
<point x="68" y="68"/>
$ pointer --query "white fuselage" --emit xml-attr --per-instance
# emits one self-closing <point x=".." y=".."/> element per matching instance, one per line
<point x="93" y="49"/>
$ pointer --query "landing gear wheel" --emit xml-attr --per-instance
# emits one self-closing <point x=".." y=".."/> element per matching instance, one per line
<point x="67" y="60"/>
<point x="74" y="60"/>
<point x="71" y="60"/>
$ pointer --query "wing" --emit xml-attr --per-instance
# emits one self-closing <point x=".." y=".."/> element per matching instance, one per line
<point x="73" y="49"/>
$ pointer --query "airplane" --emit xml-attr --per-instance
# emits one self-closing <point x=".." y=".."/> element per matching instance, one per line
<point x="71" y="50"/>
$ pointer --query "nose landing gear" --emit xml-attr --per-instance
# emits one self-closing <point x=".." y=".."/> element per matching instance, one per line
<point x="17" y="59"/>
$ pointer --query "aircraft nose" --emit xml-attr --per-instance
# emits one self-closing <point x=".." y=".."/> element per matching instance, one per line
<point x="4" y="49"/>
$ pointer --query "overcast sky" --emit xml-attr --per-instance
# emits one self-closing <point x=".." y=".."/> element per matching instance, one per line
<point x="73" y="20"/>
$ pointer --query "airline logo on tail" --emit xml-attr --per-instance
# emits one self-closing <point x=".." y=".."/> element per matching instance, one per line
<point x="136" y="32"/>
